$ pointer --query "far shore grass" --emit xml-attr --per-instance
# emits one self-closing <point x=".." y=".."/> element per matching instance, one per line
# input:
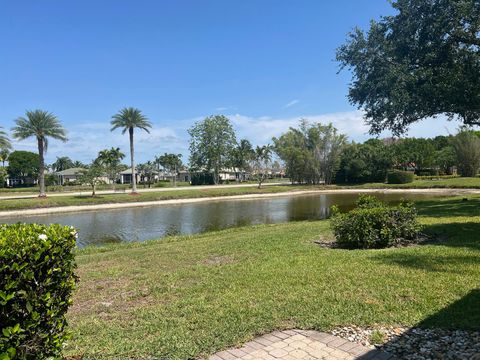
<point x="193" y="192"/>
<point x="186" y="297"/>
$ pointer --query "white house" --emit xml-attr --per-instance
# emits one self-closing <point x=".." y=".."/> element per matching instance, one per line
<point x="68" y="175"/>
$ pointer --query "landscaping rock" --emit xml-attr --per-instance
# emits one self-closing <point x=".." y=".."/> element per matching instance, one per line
<point x="417" y="343"/>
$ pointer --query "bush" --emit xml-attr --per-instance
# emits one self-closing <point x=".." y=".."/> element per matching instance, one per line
<point x="374" y="225"/>
<point x="428" y="172"/>
<point x="202" y="179"/>
<point x="36" y="282"/>
<point x="400" y="177"/>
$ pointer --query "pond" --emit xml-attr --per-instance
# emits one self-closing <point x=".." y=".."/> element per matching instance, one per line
<point x="153" y="222"/>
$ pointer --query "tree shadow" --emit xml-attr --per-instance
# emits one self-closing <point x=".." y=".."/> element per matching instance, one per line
<point x="458" y="206"/>
<point x="428" y="262"/>
<point x="454" y="234"/>
<point x="439" y="335"/>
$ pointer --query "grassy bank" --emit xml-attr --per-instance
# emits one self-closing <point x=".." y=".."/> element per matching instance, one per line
<point x="75" y="200"/>
<point x="192" y="192"/>
<point x="454" y="183"/>
<point x="188" y="296"/>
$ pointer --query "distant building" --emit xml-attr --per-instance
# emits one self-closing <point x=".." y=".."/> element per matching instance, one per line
<point x="126" y="176"/>
<point x="73" y="175"/>
<point x="68" y="175"/>
<point x="20" y="181"/>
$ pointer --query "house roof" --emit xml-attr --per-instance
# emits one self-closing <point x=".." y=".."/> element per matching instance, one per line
<point x="127" y="172"/>
<point x="70" y="172"/>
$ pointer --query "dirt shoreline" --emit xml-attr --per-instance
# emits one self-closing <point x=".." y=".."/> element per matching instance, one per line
<point x="97" y="207"/>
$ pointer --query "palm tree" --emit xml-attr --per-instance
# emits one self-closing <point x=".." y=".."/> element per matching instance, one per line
<point x="62" y="163"/>
<point x="42" y="125"/>
<point x="4" y="141"/>
<point x="4" y="154"/>
<point x="110" y="159"/>
<point x="129" y="119"/>
<point x="262" y="157"/>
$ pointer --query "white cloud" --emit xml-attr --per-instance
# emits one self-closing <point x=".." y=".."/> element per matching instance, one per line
<point x="260" y="130"/>
<point x="291" y="103"/>
<point x="86" y="139"/>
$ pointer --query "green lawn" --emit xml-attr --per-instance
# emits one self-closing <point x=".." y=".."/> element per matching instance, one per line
<point x="189" y="296"/>
<point x="461" y="183"/>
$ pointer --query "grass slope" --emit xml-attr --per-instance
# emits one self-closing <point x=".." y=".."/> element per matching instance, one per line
<point x="189" y="296"/>
<point x="74" y="200"/>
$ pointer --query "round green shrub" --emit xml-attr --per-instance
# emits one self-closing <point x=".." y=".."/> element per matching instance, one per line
<point x="400" y="177"/>
<point x="374" y="225"/>
<point x="36" y="283"/>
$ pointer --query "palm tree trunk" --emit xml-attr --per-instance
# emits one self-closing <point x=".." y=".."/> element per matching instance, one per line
<point x="134" y="175"/>
<point x="41" y="169"/>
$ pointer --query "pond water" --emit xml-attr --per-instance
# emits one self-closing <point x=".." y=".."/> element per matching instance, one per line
<point x="153" y="222"/>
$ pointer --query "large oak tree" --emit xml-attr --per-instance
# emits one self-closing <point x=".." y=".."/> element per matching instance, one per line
<point x="424" y="61"/>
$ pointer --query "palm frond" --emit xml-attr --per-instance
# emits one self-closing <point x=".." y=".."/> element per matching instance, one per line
<point x="129" y="118"/>
<point x="40" y="124"/>
<point x="4" y="140"/>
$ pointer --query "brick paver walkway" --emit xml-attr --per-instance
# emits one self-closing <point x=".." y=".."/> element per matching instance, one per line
<point x="301" y="344"/>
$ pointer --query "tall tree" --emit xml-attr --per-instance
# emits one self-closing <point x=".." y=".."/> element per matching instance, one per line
<point x="111" y="159"/>
<point x="128" y="119"/>
<point x="4" y="140"/>
<point x="367" y="162"/>
<point x="467" y="150"/>
<point x="41" y="125"/>
<point x="23" y="164"/>
<point x="261" y="162"/>
<point x="421" y="62"/>
<point x="62" y="163"/>
<point x="211" y="144"/>
<point x="242" y="155"/>
<point x="311" y="153"/>
<point x="171" y="163"/>
<point x="147" y="171"/>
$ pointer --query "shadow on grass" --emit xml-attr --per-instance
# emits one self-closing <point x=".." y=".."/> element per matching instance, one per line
<point x="455" y="234"/>
<point x="429" y="262"/>
<point x="462" y="314"/>
<point x="449" y="207"/>
<point x="432" y="338"/>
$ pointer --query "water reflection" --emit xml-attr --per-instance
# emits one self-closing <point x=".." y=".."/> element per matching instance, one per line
<point x="139" y="224"/>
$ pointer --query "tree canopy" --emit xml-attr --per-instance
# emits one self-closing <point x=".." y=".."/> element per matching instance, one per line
<point x="211" y="143"/>
<point x="422" y="62"/>
<point x="23" y="164"/>
<point x="311" y="152"/>
<point x="62" y="163"/>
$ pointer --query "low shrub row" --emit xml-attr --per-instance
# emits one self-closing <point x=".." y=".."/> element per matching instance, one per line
<point x="36" y="283"/>
<point x="400" y="177"/>
<point x="374" y="225"/>
<point x="438" y="177"/>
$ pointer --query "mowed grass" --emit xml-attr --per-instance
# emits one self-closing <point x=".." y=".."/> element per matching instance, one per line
<point x="189" y="296"/>
<point x="453" y="183"/>
<point x="77" y="200"/>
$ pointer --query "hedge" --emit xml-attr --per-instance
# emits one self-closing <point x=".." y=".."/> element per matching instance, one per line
<point x="36" y="283"/>
<point x="202" y="178"/>
<point x="439" y="177"/>
<point x="374" y="225"/>
<point x="400" y="177"/>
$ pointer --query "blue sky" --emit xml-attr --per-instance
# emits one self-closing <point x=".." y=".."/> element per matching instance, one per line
<point x="263" y="63"/>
